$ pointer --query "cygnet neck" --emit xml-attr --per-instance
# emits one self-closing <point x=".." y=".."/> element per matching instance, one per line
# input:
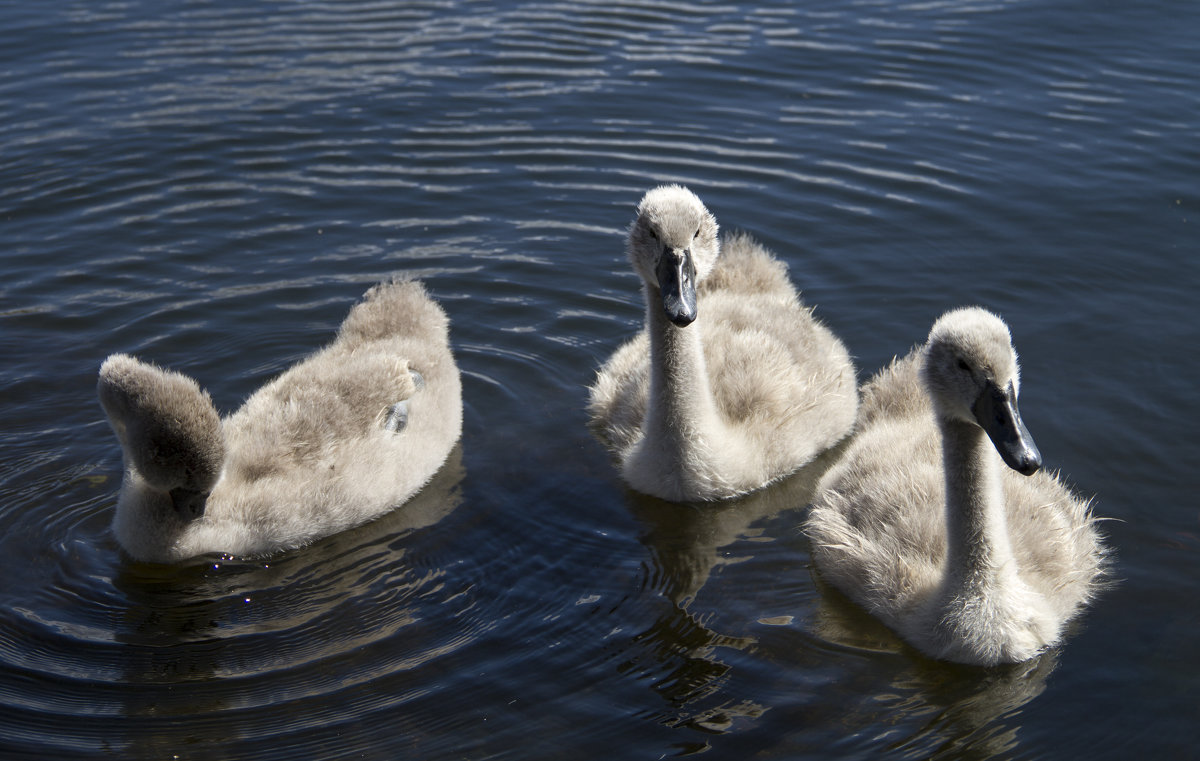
<point x="979" y="554"/>
<point x="681" y="409"/>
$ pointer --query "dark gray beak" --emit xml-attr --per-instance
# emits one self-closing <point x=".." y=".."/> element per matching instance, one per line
<point x="677" y="282"/>
<point x="996" y="412"/>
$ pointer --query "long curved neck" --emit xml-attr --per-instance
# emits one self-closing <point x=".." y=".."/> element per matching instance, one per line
<point x="681" y="413"/>
<point x="146" y="523"/>
<point x="979" y="554"/>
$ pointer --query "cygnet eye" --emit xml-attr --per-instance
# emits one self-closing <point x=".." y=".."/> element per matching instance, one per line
<point x="652" y="233"/>
<point x="697" y="235"/>
<point x="962" y="365"/>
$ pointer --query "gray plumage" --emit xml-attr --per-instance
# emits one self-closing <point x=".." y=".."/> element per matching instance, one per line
<point x="340" y="438"/>
<point x="921" y="523"/>
<point x="732" y="384"/>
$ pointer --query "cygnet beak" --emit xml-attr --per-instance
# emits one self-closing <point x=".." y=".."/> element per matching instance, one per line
<point x="677" y="283"/>
<point x="996" y="412"/>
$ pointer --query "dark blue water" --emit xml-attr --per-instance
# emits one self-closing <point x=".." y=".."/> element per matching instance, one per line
<point x="211" y="185"/>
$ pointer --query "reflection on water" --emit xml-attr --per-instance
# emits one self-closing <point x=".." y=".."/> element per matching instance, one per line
<point x="306" y="636"/>
<point x="684" y="653"/>
<point x="686" y="540"/>
<point x="957" y="711"/>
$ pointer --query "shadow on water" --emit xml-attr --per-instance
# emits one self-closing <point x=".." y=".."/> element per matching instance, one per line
<point x="222" y="651"/>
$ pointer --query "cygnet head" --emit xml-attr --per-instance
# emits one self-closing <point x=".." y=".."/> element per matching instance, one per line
<point x="169" y="431"/>
<point x="970" y="369"/>
<point x="673" y="246"/>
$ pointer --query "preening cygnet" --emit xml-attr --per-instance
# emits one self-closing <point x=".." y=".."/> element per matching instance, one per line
<point x="732" y="384"/>
<point x="337" y="440"/>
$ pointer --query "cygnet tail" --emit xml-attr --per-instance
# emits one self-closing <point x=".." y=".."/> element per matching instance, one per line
<point x="400" y="308"/>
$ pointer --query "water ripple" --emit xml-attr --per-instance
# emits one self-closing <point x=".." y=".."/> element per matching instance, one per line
<point x="292" y="633"/>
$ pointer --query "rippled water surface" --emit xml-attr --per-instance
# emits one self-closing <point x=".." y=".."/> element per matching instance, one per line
<point x="211" y="185"/>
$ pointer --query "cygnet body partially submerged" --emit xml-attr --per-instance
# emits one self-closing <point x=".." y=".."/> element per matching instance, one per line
<point x="340" y="438"/>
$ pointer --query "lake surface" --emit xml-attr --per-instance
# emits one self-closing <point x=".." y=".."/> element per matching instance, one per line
<point x="211" y="186"/>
